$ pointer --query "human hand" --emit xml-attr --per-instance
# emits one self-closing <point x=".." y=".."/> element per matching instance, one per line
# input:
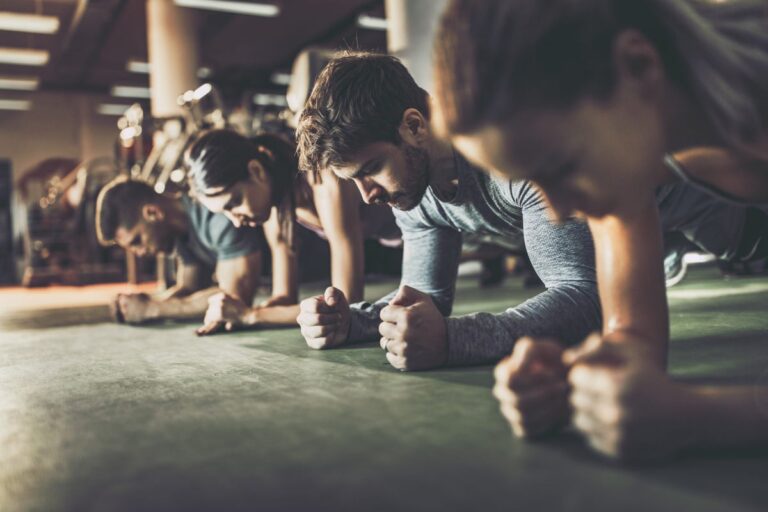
<point x="325" y="319"/>
<point x="532" y="389"/>
<point x="413" y="331"/>
<point x="133" y="308"/>
<point x="224" y="313"/>
<point x="624" y="403"/>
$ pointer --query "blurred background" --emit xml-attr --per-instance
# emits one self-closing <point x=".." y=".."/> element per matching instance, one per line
<point x="91" y="89"/>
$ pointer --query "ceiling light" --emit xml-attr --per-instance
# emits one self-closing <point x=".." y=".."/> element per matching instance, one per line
<point x="112" y="109"/>
<point x="266" y="100"/>
<point x="281" y="78"/>
<point x="129" y="91"/>
<point x="36" y="23"/>
<point x="19" y="84"/>
<point x="23" y="57"/>
<point x="255" y="9"/>
<point x="372" y="22"/>
<point x="202" y="91"/>
<point x="15" y="104"/>
<point x="137" y="66"/>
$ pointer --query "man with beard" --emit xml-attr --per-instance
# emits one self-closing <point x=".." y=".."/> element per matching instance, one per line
<point x="368" y="121"/>
<point x="131" y="214"/>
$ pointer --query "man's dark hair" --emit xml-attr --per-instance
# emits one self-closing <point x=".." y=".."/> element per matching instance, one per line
<point x="119" y="206"/>
<point x="358" y="99"/>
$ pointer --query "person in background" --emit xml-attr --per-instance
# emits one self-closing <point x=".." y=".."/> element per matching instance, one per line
<point x="256" y="183"/>
<point x="131" y="214"/>
<point x="600" y="102"/>
<point x="368" y="122"/>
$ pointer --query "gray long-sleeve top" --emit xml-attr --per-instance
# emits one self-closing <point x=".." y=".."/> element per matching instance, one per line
<point x="562" y="255"/>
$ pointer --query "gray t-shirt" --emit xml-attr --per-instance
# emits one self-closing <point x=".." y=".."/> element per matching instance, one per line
<point x="212" y="237"/>
<point x="562" y="255"/>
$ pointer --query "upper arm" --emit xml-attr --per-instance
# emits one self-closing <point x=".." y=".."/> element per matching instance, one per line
<point x="284" y="271"/>
<point x="239" y="276"/>
<point x="188" y="276"/>
<point x="338" y="209"/>
<point x="559" y="252"/>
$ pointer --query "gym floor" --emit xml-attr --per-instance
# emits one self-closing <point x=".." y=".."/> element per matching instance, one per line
<point x="102" y="417"/>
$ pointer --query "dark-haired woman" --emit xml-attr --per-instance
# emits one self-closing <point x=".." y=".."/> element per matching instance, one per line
<point x="599" y="102"/>
<point x="256" y="182"/>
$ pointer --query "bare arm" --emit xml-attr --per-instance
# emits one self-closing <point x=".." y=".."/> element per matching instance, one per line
<point x="229" y="309"/>
<point x="184" y="300"/>
<point x="630" y="409"/>
<point x="338" y="207"/>
<point x="727" y="173"/>
<point x="284" y="270"/>
<point x="629" y="262"/>
<point x="187" y="282"/>
<point x="239" y="277"/>
<point x="728" y="416"/>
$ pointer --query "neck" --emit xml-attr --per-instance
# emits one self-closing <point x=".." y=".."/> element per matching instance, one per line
<point x="442" y="165"/>
<point x="176" y="215"/>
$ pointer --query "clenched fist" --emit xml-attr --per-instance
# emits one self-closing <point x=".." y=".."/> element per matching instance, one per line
<point x="325" y="319"/>
<point x="413" y="331"/>
<point x="225" y="313"/>
<point x="532" y="389"/>
<point x="624" y="403"/>
<point x="133" y="308"/>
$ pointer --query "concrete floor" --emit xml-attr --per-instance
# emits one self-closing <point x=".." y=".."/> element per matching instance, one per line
<point x="102" y="417"/>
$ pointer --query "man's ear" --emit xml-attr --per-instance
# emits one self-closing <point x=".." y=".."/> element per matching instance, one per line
<point x="257" y="171"/>
<point x="638" y="63"/>
<point x="414" y="128"/>
<point x="152" y="212"/>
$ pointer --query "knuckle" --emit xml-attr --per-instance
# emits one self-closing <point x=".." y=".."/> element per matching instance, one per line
<point x="316" y="343"/>
<point x="502" y="393"/>
<point x="501" y="372"/>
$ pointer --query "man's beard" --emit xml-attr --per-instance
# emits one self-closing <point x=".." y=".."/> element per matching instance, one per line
<point x="416" y="179"/>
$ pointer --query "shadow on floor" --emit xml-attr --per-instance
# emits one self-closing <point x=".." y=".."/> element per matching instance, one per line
<point x="52" y="318"/>
<point x="371" y="357"/>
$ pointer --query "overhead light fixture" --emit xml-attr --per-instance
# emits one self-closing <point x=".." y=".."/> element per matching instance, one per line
<point x="254" y="9"/>
<point x="267" y="100"/>
<point x="35" y="23"/>
<point x="129" y="91"/>
<point x="372" y="22"/>
<point x="281" y="78"/>
<point x="19" y="84"/>
<point x="202" y="92"/>
<point x="23" y="57"/>
<point x="15" y="104"/>
<point x="137" y="66"/>
<point x="112" y="109"/>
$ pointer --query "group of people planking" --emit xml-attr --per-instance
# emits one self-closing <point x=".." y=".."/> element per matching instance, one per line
<point x="581" y="130"/>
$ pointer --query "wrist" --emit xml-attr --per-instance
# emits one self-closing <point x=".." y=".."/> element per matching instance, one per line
<point x="250" y="317"/>
<point x="699" y="413"/>
<point x="153" y="310"/>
